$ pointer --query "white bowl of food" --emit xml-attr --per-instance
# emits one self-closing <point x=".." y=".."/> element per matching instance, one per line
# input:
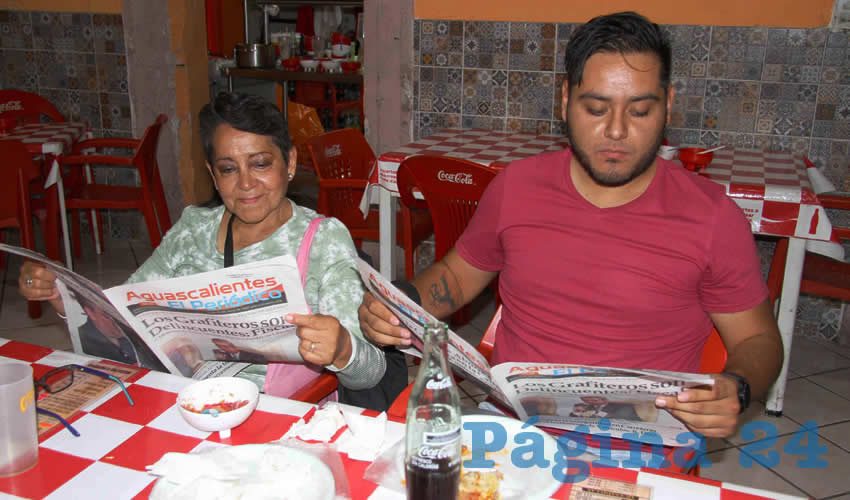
<point x="330" y="65"/>
<point x="309" y="64"/>
<point x="218" y="404"/>
<point x="340" y="50"/>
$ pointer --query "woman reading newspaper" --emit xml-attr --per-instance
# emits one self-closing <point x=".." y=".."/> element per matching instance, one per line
<point x="251" y="160"/>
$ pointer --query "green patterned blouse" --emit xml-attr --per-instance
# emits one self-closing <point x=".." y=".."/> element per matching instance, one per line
<point x="333" y="285"/>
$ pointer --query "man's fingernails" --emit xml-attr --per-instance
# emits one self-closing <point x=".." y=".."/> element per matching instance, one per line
<point x="683" y="396"/>
<point x="660" y="402"/>
<point x="394" y="321"/>
<point x="289" y="318"/>
<point x="406" y="342"/>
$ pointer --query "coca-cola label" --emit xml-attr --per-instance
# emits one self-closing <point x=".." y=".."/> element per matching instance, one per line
<point x="11" y="106"/>
<point x="436" y="384"/>
<point x="457" y="178"/>
<point x="333" y="151"/>
<point x="439" y="438"/>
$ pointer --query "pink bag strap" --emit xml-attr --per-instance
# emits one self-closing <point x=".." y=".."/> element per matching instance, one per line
<point x="303" y="257"/>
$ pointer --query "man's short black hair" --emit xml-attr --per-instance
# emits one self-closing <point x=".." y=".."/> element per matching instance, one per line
<point x="248" y="113"/>
<point x="623" y="33"/>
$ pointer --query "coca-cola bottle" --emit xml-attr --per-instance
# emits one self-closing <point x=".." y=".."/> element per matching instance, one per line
<point x="433" y="434"/>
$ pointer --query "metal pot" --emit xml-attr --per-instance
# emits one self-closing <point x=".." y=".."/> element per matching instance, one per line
<point x="254" y="55"/>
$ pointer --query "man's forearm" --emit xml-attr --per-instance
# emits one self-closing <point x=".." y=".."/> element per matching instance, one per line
<point x="759" y="360"/>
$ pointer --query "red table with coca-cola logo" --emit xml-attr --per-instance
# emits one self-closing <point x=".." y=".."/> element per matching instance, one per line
<point x="117" y="441"/>
<point x="777" y="192"/>
<point x="52" y="140"/>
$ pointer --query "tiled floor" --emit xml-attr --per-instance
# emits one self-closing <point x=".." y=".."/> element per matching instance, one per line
<point x="819" y="390"/>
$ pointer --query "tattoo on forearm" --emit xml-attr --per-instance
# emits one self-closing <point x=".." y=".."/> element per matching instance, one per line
<point x="442" y="296"/>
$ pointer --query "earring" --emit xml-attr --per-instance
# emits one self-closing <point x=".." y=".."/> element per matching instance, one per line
<point x="291" y="176"/>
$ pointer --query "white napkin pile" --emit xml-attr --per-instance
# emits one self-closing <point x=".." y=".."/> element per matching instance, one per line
<point x="256" y="472"/>
<point x="363" y="439"/>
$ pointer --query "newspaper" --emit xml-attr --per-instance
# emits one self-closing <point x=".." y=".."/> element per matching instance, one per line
<point x="206" y="325"/>
<point x="595" y="400"/>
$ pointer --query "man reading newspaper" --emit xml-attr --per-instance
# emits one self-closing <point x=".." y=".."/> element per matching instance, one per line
<point x="608" y="255"/>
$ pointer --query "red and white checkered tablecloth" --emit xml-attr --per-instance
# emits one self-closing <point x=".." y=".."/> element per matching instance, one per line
<point x="773" y="189"/>
<point x="117" y="441"/>
<point x="48" y="138"/>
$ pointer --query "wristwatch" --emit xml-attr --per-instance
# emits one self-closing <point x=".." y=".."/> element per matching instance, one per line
<point x="743" y="390"/>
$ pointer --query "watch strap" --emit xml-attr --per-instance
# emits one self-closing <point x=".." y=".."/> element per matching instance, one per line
<point x="743" y="390"/>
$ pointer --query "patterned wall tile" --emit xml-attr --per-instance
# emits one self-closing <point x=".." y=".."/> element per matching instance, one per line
<point x="832" y="118"/>
<point x="730" y="105"/>
<point x="530" y="94"/>
<point x="688" y="102"/>
<point x="112" y="73"/>
<point x="834" y="159"/>
<point x="836" y="59"/>
<point x="429" y="123"/>
<point x="440" y="89"/>
<point x="558" y="95"/>
<point x="532" y="126"/>
<point x="76" y="105"/>
<point x="417" y="30"/>
<point x="532" y="47"/>
<point x="485" y="92"/>
<point x="483" y="122"/>
<point x="20" y="68"/>
<point x="486" y="45"/>
<point x="108" y="34"/>
<point x="565" y="31"/>
<point x="15" y="29"/>
<point x="441" y="43"/>
<point x="690" y="45"/>
<point x="115" y="111"/>
<point x="737" y="52"/>
<point x="63" y="31"/>
<point x="67" y="70"/>
<point x="794" y="55"/>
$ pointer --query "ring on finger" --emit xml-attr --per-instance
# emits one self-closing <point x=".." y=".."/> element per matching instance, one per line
<point x="28" y="282"/>
<point x="312" y="346"/>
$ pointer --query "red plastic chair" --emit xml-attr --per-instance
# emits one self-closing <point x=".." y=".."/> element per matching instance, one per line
<point x="821" y="275"/>
<point x="343" y="161"/>
<point x="324" y="96"/>
<point x="27" y="107"/>
<point x="317" y="389"/>
<point x="451" y="188"/>
<point x="149" y="197"/>
<point x="15" y="209"/>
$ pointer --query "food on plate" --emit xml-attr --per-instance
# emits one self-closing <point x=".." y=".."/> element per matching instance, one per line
<point x="476" y="485"/>
<point x="219" y="407"/>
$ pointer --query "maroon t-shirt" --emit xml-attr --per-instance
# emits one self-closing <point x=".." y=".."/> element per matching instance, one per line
<point x="628" y="286"/>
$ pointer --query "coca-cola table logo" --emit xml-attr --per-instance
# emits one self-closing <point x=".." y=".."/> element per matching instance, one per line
<point x="11" y="106"/>
<point x="457" y="178"/>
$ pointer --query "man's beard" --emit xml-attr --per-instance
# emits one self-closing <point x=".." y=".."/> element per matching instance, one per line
<point x="611" y="178"/>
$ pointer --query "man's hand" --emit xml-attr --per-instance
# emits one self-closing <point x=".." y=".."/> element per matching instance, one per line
<point x="379" y="324"/>
<point x="710" y="411"/>
<point x="324" y="341"/>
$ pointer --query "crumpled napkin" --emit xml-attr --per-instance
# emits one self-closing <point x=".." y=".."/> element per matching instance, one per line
<point x="256" y="472"/>
<point x="322" y="427"/>
<point x="364" y="438"/>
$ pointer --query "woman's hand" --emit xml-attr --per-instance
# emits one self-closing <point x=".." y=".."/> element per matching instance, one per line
<point x="324" y="341"/>
<point x="35" y="282"/>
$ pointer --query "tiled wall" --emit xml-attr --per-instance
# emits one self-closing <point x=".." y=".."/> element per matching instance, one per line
<point x="771" y="88"/>
<point x="78" y="62"/>
<point x="783" y="89"/>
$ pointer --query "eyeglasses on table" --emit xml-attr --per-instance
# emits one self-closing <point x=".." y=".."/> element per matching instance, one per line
<point x="61" y="378"/>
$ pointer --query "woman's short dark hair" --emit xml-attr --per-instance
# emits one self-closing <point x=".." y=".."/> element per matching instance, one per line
<point x="247" y="113"/>
<point x="624" y="33"/>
